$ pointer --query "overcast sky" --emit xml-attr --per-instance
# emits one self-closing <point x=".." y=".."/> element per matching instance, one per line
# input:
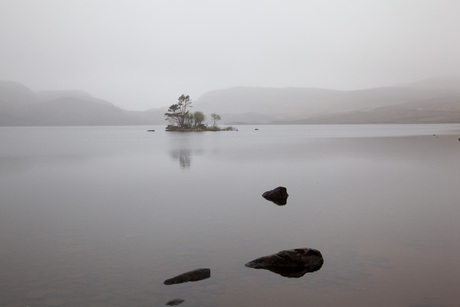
<point x="144" y="54"/>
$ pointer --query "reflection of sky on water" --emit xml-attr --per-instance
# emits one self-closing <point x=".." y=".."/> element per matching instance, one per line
<point x="109" y="209"/>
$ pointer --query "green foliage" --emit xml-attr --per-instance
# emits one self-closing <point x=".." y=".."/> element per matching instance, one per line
<point x="198" y="118"/>
<point x="188" y="120"/>
<point x="215" y="119"/>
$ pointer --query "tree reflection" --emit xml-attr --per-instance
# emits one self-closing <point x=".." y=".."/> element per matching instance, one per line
<point x="184" y="157"/>
<point x="182" y="145"/>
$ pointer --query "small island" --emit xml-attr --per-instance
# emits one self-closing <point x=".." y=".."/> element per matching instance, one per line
<point x="181" y="119"/>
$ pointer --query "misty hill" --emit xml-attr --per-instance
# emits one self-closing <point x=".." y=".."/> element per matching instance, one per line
<point x="429" y="111"/>
<point x="14" y="94"/>
<point x="19" y="106"/>
<point x="427" y="101"/>
<point x="449" y="83"/>
<point x="53" y="95"/>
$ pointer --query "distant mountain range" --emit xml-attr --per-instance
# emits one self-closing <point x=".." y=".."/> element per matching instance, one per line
<point x="19" y="106"/>
<point x="427" y="101"/>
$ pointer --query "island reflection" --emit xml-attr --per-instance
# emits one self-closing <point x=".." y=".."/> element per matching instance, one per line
<point x="184" y="156"/>
<point x="183" y="145"/>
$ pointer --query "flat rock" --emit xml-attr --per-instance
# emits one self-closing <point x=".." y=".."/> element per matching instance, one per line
<point x="175" y="302"/>
<point x="278" y="196"/>
<point x="290" y="263"/>
<point x="195" y="275"/>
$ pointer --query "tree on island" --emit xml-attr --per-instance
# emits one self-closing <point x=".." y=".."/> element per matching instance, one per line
<point x="181" y="119"/>
<point x="178" y="113"/>
<point x="215" y="119"/>
<point x="198" y="118"/>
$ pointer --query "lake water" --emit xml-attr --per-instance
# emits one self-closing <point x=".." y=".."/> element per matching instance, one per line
<point x="101" y="216"/>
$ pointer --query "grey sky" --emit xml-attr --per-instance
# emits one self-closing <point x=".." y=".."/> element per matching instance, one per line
<point x="144" y="54"/>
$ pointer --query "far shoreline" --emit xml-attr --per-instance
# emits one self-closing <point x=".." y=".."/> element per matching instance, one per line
<point x="200" y="129"/>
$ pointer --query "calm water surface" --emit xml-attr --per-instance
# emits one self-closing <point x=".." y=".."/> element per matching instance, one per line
<point x="101" y="216"/>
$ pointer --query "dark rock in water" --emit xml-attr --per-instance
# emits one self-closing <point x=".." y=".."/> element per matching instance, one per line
<point x="151" y="130"/>
<point x="175" y="302"/>
<point x="290" y="263"/>
<point x="278" y="195"/>
<point x="195" y="275"/>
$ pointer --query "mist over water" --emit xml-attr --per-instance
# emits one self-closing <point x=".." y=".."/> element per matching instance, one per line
<point x="102" y="216"/>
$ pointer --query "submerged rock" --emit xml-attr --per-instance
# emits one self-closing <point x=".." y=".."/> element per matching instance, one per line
<point x="175" y="302"/>
<point x="278" y="196"/>
<point x="195" y="275"/>
<point x="290" y="263"/>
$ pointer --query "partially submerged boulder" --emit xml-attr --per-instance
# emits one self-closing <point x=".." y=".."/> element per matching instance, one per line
<point x="195" y="275"/>
<point x="175" y="302"/>
<point x="290" y="263"/>
<point x="278" y="195"/>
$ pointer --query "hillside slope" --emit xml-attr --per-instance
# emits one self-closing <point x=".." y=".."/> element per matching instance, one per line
<point x="421" y="102"/>
<point x="19" y="106"/>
